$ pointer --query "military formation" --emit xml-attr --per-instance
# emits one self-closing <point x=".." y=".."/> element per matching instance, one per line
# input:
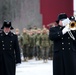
<point x="35" y="43"/>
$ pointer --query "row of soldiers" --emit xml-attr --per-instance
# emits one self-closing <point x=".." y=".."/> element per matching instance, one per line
<point x="35" y="43"/>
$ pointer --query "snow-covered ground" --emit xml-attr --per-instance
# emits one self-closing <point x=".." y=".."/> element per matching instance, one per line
<point x="33" y="67"/>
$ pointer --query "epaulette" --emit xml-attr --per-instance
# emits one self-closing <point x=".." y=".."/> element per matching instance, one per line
<point x="12" y="34"/>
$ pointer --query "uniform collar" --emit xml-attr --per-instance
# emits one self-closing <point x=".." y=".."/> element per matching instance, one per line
<point x="60" y="26"/>
<point x="6" y="34"/>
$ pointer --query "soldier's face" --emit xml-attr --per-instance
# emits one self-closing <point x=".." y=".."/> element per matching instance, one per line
<point x="24" y="31"/>
<point x="44" y="31"/>
<point x="6" y="29"/>
<point x="17" y="32"/>
<point x="39" y="31"/>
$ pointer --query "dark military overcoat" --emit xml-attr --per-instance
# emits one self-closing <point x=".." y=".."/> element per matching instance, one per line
<point x="9" y="53"/>
<point x="64" y="57"/>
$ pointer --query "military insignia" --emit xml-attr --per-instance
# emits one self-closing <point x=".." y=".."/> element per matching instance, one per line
<point x="11" y="41"/>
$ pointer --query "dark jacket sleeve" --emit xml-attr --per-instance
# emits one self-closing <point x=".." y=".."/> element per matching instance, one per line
<point x="55" y="33"/>
<point x="17" y="50"/>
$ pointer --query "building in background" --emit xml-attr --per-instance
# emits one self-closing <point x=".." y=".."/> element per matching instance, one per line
<point x="22" y="13"/>
<point x="29" y="13"/>
<point x="51" y="8"/>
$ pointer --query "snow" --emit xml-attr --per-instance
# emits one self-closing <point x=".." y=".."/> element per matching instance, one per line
<point x="33" y="67"/>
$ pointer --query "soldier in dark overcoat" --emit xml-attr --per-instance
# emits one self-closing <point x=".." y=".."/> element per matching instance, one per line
<point x="64" y="54"/>
<point x="9" y="50"/>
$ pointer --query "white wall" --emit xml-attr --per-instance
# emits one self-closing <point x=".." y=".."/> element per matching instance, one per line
<point x="74" y="4"/>
<point x="74" y="8"/>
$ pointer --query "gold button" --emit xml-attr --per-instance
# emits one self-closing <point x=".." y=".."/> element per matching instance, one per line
<point x="2" y="41"/>
<point x="69" y="43"/>
<point x="3" y="45"/>
<point x="61" y="38"/>
<point x="62" y="48"/>
<point x="11" y="41"/>
<point x="3" y="48"/>
<point x="62" y="43"/>
<point x="69" y="48"/>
